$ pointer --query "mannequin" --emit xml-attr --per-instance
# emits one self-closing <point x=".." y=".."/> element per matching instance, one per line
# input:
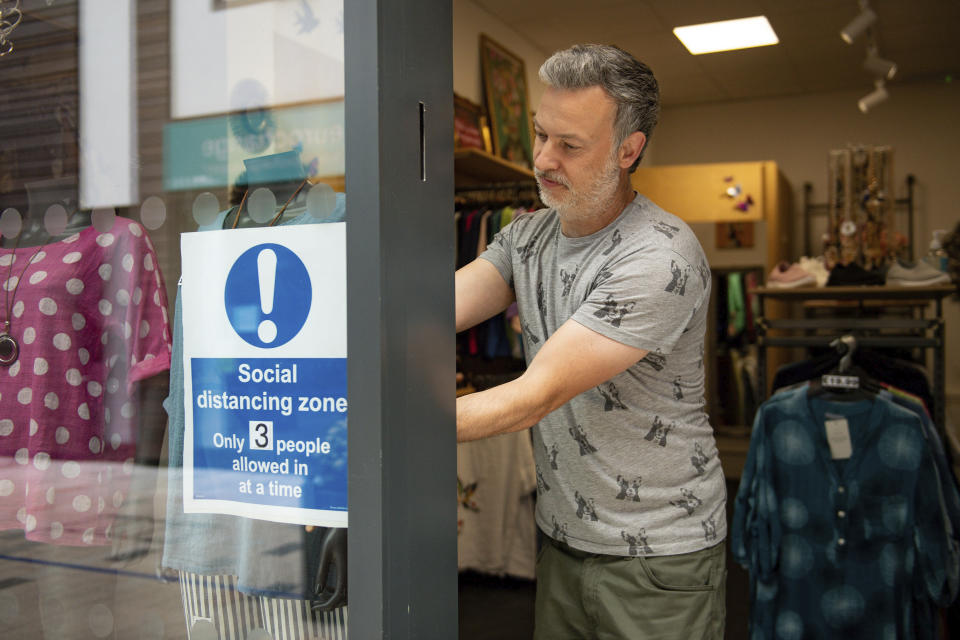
<point x="300" y="570"/>
<point x="81" y="389"/>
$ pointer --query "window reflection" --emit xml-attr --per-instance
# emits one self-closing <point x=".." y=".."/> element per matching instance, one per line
<point x="125" y="124"/>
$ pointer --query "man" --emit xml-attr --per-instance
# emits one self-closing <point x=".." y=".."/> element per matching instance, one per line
<point x="612" y="293"/>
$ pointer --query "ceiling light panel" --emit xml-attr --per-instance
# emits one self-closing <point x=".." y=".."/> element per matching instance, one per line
<point x="727" y="35"/>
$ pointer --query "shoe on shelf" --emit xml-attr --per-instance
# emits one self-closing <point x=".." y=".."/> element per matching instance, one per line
<point x="918" y="274"/>
<point x="853" y="275"/>
<point x="789" y="275"/>
<point x="817" y="268"/>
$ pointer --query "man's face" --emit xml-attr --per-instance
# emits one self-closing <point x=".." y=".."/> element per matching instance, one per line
<point x="574" y="155"/>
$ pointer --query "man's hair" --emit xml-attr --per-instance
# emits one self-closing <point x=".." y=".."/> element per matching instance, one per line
<point x="629" y="82"/>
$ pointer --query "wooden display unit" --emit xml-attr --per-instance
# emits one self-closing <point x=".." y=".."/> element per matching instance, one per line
<point x="478" y="168"/>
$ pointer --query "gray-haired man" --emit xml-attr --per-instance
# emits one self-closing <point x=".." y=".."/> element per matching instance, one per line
<point x="614" y="383"/>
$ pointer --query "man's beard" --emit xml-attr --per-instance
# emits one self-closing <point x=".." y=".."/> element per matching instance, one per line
<point x="582" y="204"/>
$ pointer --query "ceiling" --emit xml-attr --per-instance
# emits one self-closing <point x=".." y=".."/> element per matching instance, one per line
<point x="921" y="36"/>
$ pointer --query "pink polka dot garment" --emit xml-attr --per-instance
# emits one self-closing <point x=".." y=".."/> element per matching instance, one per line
<point x="91" y="319"/>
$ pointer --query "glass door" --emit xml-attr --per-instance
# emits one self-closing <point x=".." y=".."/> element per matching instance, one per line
<point x="224" y="395"/>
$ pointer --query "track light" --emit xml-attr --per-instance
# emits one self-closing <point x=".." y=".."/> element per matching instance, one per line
<point x="859" y="24"/>
<point x="873" y="98"/>
<point x="880" y="67"/>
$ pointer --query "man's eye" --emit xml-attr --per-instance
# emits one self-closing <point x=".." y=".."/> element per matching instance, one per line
<point x="567" y="145"/>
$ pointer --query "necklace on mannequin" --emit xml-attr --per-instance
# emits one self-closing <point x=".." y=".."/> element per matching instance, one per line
<point x="9" y="347"/>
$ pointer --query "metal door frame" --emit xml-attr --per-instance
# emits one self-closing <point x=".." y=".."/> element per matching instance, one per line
<point x="401" y="343"/>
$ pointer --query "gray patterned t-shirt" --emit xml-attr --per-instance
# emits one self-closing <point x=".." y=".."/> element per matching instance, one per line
<point x="630" y="467"/>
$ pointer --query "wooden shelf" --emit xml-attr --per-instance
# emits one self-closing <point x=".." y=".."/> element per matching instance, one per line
<point x="475" y="167"/>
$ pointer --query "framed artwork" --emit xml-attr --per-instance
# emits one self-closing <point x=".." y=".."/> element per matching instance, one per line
<point x="734" y="235"/>
<point x="468" y="125"/>
<point x="508" y="103"/>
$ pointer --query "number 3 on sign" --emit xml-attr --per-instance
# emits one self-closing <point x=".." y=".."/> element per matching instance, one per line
<point x="261" y="435"/>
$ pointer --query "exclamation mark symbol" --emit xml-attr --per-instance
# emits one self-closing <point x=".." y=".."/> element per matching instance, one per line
<point x="267" y="274"/>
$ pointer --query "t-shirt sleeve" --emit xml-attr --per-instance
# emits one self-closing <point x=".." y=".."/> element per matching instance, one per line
<point x="500" y="249"/>
<point x="645" y="299"/>
<point x="143" y="321"/>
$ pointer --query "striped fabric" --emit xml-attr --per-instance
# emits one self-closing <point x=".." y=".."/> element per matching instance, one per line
<point x="215" y="610"/>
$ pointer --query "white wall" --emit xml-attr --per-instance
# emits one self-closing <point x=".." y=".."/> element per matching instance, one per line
<point x="469" y="21"/>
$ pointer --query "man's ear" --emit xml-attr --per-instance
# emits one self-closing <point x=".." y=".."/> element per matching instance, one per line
<point x="630" y="149"/>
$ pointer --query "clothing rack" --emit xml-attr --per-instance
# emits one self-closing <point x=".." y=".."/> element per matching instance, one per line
<point x="916" y="332"/>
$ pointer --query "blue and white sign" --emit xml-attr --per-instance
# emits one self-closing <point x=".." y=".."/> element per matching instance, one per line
<point x="282" y="295"/>
<point x="265" y="370"/>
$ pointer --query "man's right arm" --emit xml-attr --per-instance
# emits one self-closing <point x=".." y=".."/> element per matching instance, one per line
<point x="481" y="293"/>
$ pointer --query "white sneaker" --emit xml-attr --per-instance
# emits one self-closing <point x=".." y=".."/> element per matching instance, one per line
<point x="816" y="268"/>
<point x="919" y="274"/>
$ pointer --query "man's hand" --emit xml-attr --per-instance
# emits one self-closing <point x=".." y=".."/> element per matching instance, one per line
<point x="571" y="361"/>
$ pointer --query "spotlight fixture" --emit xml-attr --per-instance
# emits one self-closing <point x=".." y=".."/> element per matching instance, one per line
<point x="878" y="66"/>
<point x="859" y="24"/>
<point x="873" y="98"/>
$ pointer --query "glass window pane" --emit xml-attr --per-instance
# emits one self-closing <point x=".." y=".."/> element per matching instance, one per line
<point x="173" y="406"/>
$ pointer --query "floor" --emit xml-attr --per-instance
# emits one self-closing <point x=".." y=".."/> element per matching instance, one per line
<point x="54" y="592"/>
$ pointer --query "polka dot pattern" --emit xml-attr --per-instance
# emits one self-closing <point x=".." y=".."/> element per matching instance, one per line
<point x="792" y="444"/>
<point x="789" y="626"/>
<point x="796" y="556"/>
<point x="841" y="542"/>
<point x="842" y="607"/>
<point x="793" y="513"/>
<point x="99" y="283"/>
<point x="75" y="286"/>
<point x="55" y="219"/>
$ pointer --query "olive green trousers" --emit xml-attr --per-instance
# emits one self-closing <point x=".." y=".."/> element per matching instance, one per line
<point x="588" y="596"/>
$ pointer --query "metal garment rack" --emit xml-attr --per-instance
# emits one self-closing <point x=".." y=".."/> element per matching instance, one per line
<point x="919" y="332"/>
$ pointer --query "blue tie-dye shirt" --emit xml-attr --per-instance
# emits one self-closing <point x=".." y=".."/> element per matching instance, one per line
<point x="855" y="548"/>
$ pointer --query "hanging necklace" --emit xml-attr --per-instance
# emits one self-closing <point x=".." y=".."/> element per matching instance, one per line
<point x="9" y="347"/>
<point x="272" y="222"/>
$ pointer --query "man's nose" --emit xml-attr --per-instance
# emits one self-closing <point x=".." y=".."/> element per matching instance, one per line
<point x="544" y="156"/>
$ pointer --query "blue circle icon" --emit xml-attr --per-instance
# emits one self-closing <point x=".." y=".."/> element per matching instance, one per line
<point x="268" y="295"/>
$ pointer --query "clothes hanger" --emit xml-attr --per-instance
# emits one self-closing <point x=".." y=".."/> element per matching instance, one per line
<point x="847" y="381"/>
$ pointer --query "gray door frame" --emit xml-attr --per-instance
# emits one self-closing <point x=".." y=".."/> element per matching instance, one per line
<point x="401" y="344"/>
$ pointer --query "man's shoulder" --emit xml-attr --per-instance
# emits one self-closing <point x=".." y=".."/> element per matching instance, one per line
<point x="649" y="215"/>
<point x="529" y="225"/>
<point x="653" y="227"/>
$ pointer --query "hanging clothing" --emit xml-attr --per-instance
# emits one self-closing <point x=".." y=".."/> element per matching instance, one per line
<point x="476" y="228"/>
<point x="899" y="373"/>
<point x="214" y="608"/>
<point x="849" y="544"/>
<point x="496" y="480"/>
<point x="91" y="320"/>
<point x="736" y="305"/>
